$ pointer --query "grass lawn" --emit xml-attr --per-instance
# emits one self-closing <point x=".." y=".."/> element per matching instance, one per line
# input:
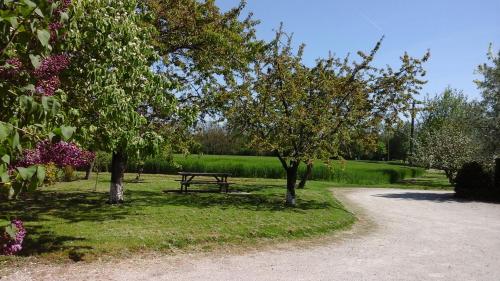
<point x="345" y="172"/>
<point x="70" y="221"/>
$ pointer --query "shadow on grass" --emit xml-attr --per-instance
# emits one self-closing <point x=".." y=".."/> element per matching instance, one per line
<point x="78" y="206"/>
<point x="70" y="206"/>
<point x="241" y="199"/>
<point x="39" y="241"/>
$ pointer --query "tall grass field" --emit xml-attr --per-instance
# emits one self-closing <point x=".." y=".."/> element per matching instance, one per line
<point x="348" y="172"/>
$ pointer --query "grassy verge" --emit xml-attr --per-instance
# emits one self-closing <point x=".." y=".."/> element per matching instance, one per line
<point x="345" y="172"/>
<point x="430" y="180"/>
<point x="71" y="221"/>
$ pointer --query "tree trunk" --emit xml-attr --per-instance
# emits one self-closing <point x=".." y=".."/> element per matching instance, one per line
<point x="89" y="169"/>
<point x="139" y="173"/>
<point x="449" y="175"/>
<point x="307" y="175"/>
<point x="291" y="180"/>
<point x="497" y="174"/>
<point x="118" y="164"/>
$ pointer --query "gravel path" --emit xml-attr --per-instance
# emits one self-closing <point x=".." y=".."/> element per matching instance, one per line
<point x="402" y="235"/>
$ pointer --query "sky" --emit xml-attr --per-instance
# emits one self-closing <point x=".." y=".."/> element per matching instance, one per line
<point x="457" y="33"/>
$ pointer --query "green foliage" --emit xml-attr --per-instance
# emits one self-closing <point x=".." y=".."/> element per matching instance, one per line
<point x="203" y="48"/>
<point x="26" y="117"/>
<point x="490" y="91"/>
<point x="448" y="136"/>
<point x="51" y="176"/>
<point x="476" y="182"/>
<point x="348" y="172"/>
<point x="303" y="114"/>
<point x="111" y="80"/>
<point x="446" y="148"/>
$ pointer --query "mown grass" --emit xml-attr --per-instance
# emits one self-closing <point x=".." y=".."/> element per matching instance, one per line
<point x="69" y="221"/>
<point x="345" y="172"/>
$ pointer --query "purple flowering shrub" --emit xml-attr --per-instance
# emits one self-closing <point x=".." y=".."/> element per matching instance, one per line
<point x="45" y="76"/>
<point x="61" y="154"/>
<point x="11" y="239"/>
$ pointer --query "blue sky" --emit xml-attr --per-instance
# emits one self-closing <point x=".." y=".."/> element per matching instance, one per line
<point x="457" y="33"/>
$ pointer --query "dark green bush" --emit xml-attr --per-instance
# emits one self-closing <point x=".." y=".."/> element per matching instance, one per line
<point x="473" y="181"/>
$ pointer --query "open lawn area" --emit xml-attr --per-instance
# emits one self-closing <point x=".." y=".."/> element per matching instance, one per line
<point x="69" y="220"/>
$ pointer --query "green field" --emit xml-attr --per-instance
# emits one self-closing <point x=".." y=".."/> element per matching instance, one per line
<point x="70" y="221"/>
<point x="346" y="172"/>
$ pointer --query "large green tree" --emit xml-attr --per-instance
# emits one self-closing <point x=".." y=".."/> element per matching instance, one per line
<point x="125" y="105"/>
<point x="490" y="91"/>
<point x="448" y="133"/>
<point x="203" y="49"/>
<point x="303" y="113"/>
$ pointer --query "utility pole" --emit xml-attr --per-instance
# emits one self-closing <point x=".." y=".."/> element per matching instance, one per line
<point x="412" y="130"/>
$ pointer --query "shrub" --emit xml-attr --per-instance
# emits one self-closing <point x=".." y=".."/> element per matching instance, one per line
<point x="50" y="173"/>
<point x="474" y="181"/>
<point x="69" y="173"/>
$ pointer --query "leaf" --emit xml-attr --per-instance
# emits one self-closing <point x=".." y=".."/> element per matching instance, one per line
<point x="13" y="22"/>
<point x="29" y="3"/>
<point x="29" y="87"/>
<point x="35" y="61"/>
<point x="39" y="12"/>
<point x="4" y="173"/>
<point x="40" y="174"/>
<point x="67" y="132"/>
<point x="15" y="141"/>
<point x="6" y="158"/>
<point x="4" y="131"/>
<point x="4" y="176"/>
<point x="64" y="16"/>
<point x="45" y="103"/>
<point x="27" y="173"/>
<point x="32" y="185"/>
<point x="11" y="231"/>
<point x="43" y="36"/>
<point x="51" y="136"/>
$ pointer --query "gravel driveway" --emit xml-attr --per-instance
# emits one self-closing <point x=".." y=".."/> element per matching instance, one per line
<point x="402" y="235"/>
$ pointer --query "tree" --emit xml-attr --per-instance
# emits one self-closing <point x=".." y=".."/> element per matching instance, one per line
<point x="448" y="133"/>
<point x="446" y="148"/>
<point x="490" y="91"/>
<point x="202" y="48"/>
<point x="303" y="113"/>
<point x="30" y="94"/>
<point x="112" y="83"/>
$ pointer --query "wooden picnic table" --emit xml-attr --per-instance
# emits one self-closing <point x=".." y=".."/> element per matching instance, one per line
<point x="219" y="179"/>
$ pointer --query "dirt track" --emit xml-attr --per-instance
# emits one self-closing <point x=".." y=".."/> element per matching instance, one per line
<point x="403" y="235"/>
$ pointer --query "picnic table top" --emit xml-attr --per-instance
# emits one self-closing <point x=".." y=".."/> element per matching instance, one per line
<point x="202" y="174"/>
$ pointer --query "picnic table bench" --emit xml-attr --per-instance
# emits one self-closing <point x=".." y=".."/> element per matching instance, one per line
<point x="220" y="179"/>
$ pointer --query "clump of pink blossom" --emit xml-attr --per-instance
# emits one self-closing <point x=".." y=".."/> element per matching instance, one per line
<point x="10" y="245"/>
<point x="51" y="66"/>
<point x="61" y="154"/>
<point x="11" y="68"/>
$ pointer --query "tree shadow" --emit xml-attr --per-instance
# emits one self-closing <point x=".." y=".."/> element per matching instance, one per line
<point x="39" y="241"/>
<point x="70" y="206"/>
<point x="397" y="176"/>
<point x="428" y="196"/>
<point x="242" y="199"/>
